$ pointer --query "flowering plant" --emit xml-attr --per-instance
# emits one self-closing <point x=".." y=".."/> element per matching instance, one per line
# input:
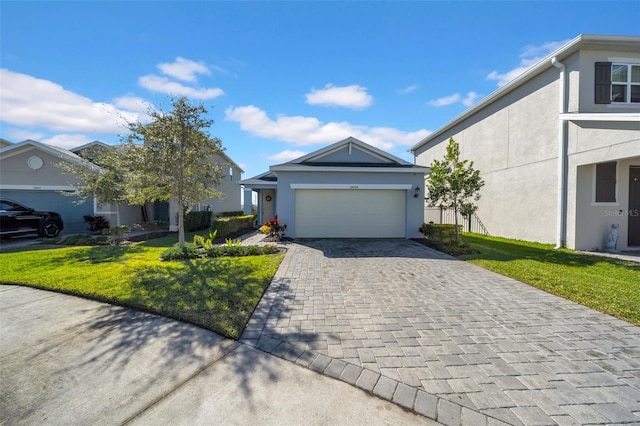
<point x="273" y="228"/>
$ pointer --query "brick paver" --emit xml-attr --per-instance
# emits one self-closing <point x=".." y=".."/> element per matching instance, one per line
<point x="391" y="315"/>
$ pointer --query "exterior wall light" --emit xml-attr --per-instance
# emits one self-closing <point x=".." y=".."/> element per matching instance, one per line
<point x="416" y="193"/>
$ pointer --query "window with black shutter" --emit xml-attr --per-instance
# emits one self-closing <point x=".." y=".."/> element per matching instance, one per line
<point x="617" y="83"/>
<point x="603" y="82"/>
<point x="606" y="182"/>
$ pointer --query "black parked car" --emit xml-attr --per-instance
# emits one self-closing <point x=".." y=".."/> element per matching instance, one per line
<point x="16" y="219"/>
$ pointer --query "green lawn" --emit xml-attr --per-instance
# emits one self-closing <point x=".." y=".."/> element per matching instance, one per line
<point x="608" y="285"/>
<point x="218" y="294"/>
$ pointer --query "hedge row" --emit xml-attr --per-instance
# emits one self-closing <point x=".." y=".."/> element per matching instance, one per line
<point x="439" y="232"/>
<point x="228" y="225"/>
<point x="195" y="221"/>
<point x="192" y="251"/>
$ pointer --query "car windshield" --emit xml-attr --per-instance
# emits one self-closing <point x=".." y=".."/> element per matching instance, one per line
<point x="11" y="207"/>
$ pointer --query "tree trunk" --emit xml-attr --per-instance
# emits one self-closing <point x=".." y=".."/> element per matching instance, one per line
<point x="180" y="226"/>
<point x="455" y="211"/>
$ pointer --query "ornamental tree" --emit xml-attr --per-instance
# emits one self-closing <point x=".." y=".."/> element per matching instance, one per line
<point x="454" y="184"/>
<point x="172" y="159"/>
<point x="169" y="158"/>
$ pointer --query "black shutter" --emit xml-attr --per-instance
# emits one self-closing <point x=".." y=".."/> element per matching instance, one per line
<point x="606" y="182"/>
<point x="603" y="82"/>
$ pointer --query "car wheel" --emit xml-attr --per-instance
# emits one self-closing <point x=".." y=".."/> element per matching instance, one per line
<point x="49" y="229"/>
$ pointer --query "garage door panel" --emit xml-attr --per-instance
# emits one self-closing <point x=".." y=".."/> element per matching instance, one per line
<point x="68" y="207"/>
<point x="350" y="213"/>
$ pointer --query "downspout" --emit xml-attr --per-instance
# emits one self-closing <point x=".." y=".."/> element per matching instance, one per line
<point x="562" y="154"/>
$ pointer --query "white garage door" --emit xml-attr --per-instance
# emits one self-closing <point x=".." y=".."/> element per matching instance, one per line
<point x="323" y="213"/>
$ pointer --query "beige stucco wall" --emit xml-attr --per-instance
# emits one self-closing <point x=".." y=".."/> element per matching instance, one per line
<point x="591" y="143"/>
<point x="15" y="171"/>
<point x="231" y="202"/>
<point x="588" y="58"/>
<point x="514" y="143"/>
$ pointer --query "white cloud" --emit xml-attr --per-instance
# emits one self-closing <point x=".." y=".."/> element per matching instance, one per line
<point x="444" y="101"/>
<point x="530" y="56"/>
<point x="286" y="155"/>
<point x="455" y="98"/>
<point x="19" y="135"/>
<point x="32" y="102"/>
<point x="470" y="99"/>
<point x="533" y="51"/>
<point x="184" y="69"/>
<point x="408" y="89"/>
<point x="161" y="84"/>
<point x="353" y="96"/>
<point x="305" y="131"/>
<point x="67" y="141"/>
<point x="132" y="103"/>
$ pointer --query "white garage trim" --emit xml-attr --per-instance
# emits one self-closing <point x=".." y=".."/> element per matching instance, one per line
<point x="349" y="186"/>
<point x="38" y="187"/>
<point x="344" y="213"/>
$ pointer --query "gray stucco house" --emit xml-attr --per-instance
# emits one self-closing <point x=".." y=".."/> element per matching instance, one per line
<point x="28" y="175"/>
<point x="558" y="147"/>
<point x="346" y="190"/>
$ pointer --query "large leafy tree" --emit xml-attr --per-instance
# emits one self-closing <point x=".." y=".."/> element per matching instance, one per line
<point x="171" y="157"/>
<point x="168" y="158"/>
<point x="454" y="184"/>
<point x="103" y="175"/>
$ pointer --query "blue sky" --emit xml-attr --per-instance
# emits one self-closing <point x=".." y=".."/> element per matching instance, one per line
<point x="280" y="79"/>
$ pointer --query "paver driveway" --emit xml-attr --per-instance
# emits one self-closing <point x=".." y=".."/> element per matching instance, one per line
<point x="445" y="338"/>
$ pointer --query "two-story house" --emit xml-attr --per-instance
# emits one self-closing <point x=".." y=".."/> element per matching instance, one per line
<point x="558" y="147"/>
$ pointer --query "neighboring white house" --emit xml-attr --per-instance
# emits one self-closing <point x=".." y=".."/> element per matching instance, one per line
<point x="558" y="147"/>
<point x="28" y="174"/>
<point x="346" y="190"/>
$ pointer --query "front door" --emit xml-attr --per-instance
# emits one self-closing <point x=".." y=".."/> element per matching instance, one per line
<point x="634" y="206"/>
<point x="268" y="204"/>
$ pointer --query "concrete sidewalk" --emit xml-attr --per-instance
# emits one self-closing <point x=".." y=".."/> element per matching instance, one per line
<point x="67" y="360"/>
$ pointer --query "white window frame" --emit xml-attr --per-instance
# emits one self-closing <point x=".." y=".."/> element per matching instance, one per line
<point x="595" y="182"/>
<point x="628" y="62"/>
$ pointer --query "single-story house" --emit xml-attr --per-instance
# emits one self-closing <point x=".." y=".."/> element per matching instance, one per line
<point x="558" y="147"/>
<point x="28" y="175"/>
<point x="346" y="190"/>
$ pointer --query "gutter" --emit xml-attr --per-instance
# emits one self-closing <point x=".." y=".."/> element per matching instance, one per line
<point x="562" y="154"/>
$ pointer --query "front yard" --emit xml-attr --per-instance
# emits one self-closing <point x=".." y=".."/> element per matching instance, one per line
<point x="219" y="294"/>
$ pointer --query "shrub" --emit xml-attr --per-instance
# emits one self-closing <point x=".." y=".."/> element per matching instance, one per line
<point x="96" y="224"/>
<point x="195" y="221"/>
<point x="206" y="242"/>
<point x="228" y="214"/>
<point x="150" y="226"/>
<point x="439" y="232"/>
<point x="117" y="233"/>
<point x="228" y="225"/>
<point x="273" y="228"/>
<point x="219" y="251"/>
<point x="192" y="251"/>
<point x="175" y="252"/>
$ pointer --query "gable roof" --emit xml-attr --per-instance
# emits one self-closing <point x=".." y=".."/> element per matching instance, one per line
<point x="265" y="180"/>
<point x="583" y="41"/>
<point x="4" y="142"/>
<point x="365" y="158"/>
<point x="61" y="153"/>
<point x="78" y="149"/>
<point x="90" y="145"/>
